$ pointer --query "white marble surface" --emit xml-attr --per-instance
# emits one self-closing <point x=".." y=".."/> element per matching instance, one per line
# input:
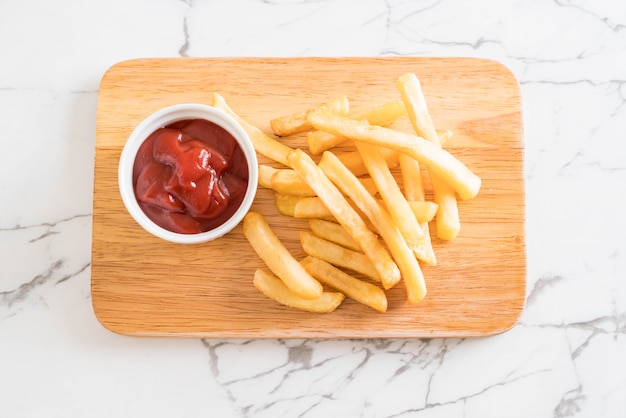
<point x="565" y="358"/>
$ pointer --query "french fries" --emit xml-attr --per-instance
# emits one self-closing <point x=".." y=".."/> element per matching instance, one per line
<point x="286" y="204"/>
<point x="445" y="165"/>
<point x="367" y="209"/>
<point x="284" y="181"/>
<point x="278" y="259"/>
<point x="354" y="162"/>
<point x="448" y="222"/>
<point x="423" y="211"/>
<point x="265" y="175"/>
<point x="274" y="288"/>
<point x="363" y="292"/>
<point x="388" y="188"/>
<point x="310" y="208"/>
<point x="345" y="214"/>
<point x="263" y="144"/>
<point x="288" y="182"/>
<point x="382" y="115"/>
<point x="298" y="122"/>
<point x="338" y="255"/>
<point x="404" y="257"/>
<point x="333" y="232"/>
<point x="414" y="191"/>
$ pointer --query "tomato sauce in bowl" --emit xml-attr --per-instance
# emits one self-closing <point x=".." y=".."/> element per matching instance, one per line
<point x="188" y="173"/>
<point x="190" y="176"/>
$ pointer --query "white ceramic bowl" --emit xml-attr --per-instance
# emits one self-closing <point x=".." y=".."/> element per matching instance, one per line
<point x="164" y="117"/>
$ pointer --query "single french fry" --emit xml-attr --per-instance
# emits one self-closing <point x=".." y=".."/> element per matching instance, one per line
<point x="412" y="178"/>
<point x="448" y="223"/>
<point x="382" y="115"/>
<point x="287" y="181"/>
<point x="354" y="162"/>
<point x="315" y="208"/>
<point x="283" y="180"/>
<point x="424" y="211"/>
<point x="366" y="293"/>
<point x="428" y="252"/>
<point x="265" y="174"/>
<point x="286" y="204"/>
<point x="263" y="144"/>
<point x="345" y="214"/>
<point x="297" y="122"/>
<point x="278" y="258"/>
<point x="395" y="201"/>
<point x="320" y="141"/>
<point x="445" y="165"/>
<point x="411" y="90"/>
<point x="311" y="207"/>
<point x="274" y="288"/>
<point x="405" y="258"/>
<point x="333" y="232"/>
<point x="338" y="255"/>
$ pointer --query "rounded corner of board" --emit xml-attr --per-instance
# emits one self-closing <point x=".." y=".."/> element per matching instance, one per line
<point x="512" y="321"/>
<point x="109" y="326"/>
<point x="120" y="66"/>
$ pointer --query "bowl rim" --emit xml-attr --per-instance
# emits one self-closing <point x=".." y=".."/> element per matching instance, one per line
<point x="165" y="116"/>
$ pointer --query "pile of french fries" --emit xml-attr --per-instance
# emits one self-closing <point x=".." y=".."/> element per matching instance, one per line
<point x="368" y="231"/>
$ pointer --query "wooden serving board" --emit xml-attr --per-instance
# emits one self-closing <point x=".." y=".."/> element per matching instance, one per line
<point x="143" y="286"/>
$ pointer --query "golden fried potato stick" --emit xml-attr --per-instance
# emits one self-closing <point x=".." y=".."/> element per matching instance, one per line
<point x="441" y="162"/>
<point x="411" y="90"/>
<point x="286" y="204"/>
<point x="311" y="207"/>
<point x="333" y="232"/>
<point x="274" y="288"/>
<point x="363" y="292"/>
<point x="263" y="144"/>
<point x="337" y="255"/>
<point x="405" y="258"/>
<point x="297" y="122"/>
<point x="314" y="207"/>
<point x="412" y="181"/>
<point x="278" y="258"/>
<point x="414" y="191"/>
<point x="423" y="211"/>
<point x="354" y="162"/>
<point x="265" y="175"/>
<point x="345" y="215"/>
<point x="396" y="203"/>
<point x="287" y="181"/>
<point x="382" y="115"/>
<point x="448" y="222"/>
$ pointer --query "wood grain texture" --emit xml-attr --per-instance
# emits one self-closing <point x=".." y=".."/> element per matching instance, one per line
<point x="147" y="287"/>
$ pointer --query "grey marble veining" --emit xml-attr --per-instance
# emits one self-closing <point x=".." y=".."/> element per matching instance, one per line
<point x="565" y="358"/>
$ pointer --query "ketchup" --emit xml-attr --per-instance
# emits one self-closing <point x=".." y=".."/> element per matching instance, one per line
<point x="190" y="176"/>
